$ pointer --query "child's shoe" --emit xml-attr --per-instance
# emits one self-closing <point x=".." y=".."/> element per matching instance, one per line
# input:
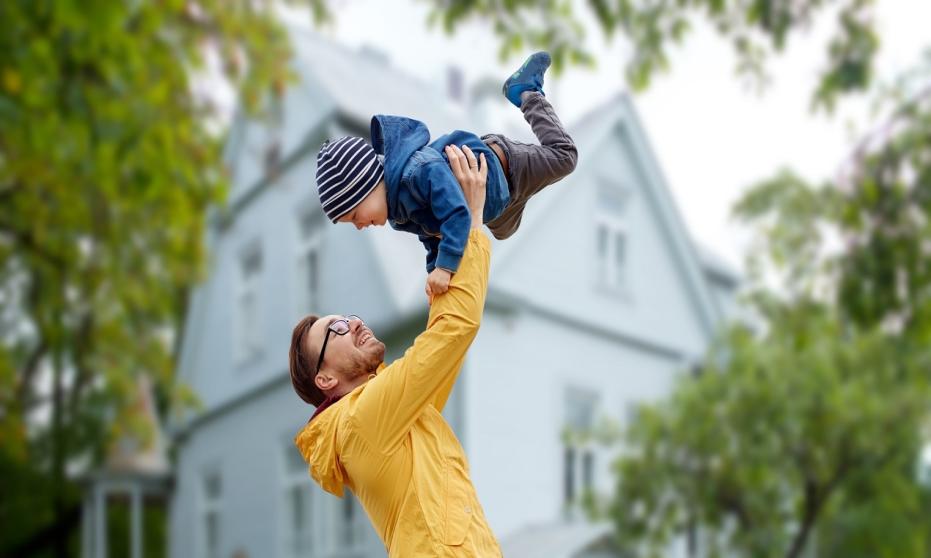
<point x="528" y="77"/>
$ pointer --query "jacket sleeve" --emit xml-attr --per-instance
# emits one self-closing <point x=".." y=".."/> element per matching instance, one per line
<point x="425" y="375"/>
<point x="449" y="206"/>
<point x="431" y="243"/>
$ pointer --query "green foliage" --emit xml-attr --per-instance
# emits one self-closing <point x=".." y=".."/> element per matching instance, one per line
<point x="107" y="168"/>
<point x="815" y="420"/>
<point x="756" y="29"/>
<point x="778" y="425"/>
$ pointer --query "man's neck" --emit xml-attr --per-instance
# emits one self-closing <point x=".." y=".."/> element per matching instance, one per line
<point x="348" y="385"/>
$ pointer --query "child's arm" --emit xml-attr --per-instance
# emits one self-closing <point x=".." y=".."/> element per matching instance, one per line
<point x="450" y="208"/>
<point x="437" y="278"/>
<point x="432" y="244"/>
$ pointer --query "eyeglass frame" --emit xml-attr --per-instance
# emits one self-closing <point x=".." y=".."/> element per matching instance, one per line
<point x="329" y="328"/>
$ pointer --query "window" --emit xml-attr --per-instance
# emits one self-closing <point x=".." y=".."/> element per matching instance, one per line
<point x="272" y="154"/>
<point x="611" y="237"/>
<point x="212" y="492"/>
<point x="248" y="326"/>
<point x="568" y="480"/>
<point x="611" y="254"/>
<point x="310" y="226"/>
<point x="578" y="453"/>
<point x="351" y="525"/>
<point x="298" y="513"/>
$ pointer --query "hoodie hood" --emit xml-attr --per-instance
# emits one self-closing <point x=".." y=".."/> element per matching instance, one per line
<point x="318" y="446"/>
<point x="397" y="138"/>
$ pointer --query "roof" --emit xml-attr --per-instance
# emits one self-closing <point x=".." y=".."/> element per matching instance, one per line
<point x="363" y="82"/>
<point x="717" y="266"/>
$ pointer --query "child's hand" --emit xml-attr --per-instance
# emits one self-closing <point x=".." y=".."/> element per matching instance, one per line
<point x="437" y="283"/>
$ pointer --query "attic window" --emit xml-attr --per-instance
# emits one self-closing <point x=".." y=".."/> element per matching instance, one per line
<point x="247" y="323"/>
<point x="611" y="253"/>
<point x="611" y="236"/>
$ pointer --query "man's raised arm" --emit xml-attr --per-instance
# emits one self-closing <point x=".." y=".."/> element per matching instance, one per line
<point x="426" y="373"/>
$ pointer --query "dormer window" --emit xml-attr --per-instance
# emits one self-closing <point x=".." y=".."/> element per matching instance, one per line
<point x="247" y="321"/>
<point x="611" y="238"/>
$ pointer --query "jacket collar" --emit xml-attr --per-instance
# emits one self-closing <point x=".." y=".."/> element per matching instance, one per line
<point x="330" y="401"/>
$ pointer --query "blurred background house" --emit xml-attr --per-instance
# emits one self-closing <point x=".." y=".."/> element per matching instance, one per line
<point x="805" y="120"/>
<point x="596" y="304"/>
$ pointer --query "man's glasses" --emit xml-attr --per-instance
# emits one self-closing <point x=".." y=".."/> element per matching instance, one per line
<point x="339" y="327"/>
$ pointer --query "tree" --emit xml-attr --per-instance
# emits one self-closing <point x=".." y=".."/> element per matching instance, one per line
<point x="817" y="419"/>
<point x="107" y="168"/>
<point x="756" y="28"/>
<point x="783" y="432"/>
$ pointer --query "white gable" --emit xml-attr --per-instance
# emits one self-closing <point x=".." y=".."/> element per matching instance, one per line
<point x="550" y="262"/>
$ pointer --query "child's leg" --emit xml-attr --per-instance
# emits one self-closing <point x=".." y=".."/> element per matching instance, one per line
<point x="532" y="167"/>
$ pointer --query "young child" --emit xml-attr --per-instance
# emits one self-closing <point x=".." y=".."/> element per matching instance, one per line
<point x="405" y="180"/>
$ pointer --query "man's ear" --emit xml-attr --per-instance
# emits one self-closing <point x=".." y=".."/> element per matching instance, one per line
<point x="325" y="381"/>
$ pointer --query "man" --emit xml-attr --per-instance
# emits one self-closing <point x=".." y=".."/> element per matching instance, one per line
<point x="378" y="429"/>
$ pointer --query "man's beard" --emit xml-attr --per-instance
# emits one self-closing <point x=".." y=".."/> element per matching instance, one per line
<point x="366" y="362"/>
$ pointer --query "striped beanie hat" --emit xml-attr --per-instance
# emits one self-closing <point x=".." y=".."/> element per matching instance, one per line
<point x="347" y="170"/>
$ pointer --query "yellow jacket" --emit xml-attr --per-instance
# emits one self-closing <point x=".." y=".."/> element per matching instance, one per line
<point x="388" y="443"/>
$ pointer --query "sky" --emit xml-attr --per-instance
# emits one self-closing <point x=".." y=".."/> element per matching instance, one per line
<point x="713" y="136"/>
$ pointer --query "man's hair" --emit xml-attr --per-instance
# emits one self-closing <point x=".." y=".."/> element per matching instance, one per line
<point x="302" y="363"/>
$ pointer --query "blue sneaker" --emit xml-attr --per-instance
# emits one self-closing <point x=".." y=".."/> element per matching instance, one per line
<point x="528" y="77"/>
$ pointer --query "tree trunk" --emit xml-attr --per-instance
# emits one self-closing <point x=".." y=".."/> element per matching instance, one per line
<point x="812" y="504"/>
<point x="58" y="455"/>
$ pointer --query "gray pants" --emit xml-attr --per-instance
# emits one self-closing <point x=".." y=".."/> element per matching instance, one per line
<point x="532" y="167"/>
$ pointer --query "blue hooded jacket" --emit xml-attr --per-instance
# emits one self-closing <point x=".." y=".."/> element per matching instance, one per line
<point x="424" y="197"/>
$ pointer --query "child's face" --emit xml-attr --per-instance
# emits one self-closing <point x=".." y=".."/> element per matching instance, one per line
<point x="372" y="211"/>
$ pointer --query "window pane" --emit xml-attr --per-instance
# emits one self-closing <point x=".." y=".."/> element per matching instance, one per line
<point x="251" y="264"/>
<point x="213" y="487"/>
<point x="248" y="321"/>
<point x="588" y="469"/>
<point x="620" y="249"/>
<point x="212" y="528"/>
<point x="569" y="474"/>
<point x="299" y="508"/>
<point x="602" y="242"/>
<point x="346" y="521"/>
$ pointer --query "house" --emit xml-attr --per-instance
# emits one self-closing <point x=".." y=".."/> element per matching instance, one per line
<point x="597" y="303"/>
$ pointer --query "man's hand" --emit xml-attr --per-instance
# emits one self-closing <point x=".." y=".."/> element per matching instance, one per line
<point x="437" y="283"/>
<point x="471" y="174"/>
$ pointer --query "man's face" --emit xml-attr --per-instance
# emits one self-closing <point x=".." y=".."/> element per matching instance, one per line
<point x="373" y="210"/>
<point x="345" y="357"/>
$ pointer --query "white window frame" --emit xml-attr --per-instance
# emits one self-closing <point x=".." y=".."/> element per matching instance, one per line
<point x="611" y="274"/>
<point x="292" y="479"/>
<point x="612" y="203"/>
<point x="247" y="323"/>
<point x="210" y="505"/>
<point x="307" y="243"/>
<point x="579" y="482"/>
